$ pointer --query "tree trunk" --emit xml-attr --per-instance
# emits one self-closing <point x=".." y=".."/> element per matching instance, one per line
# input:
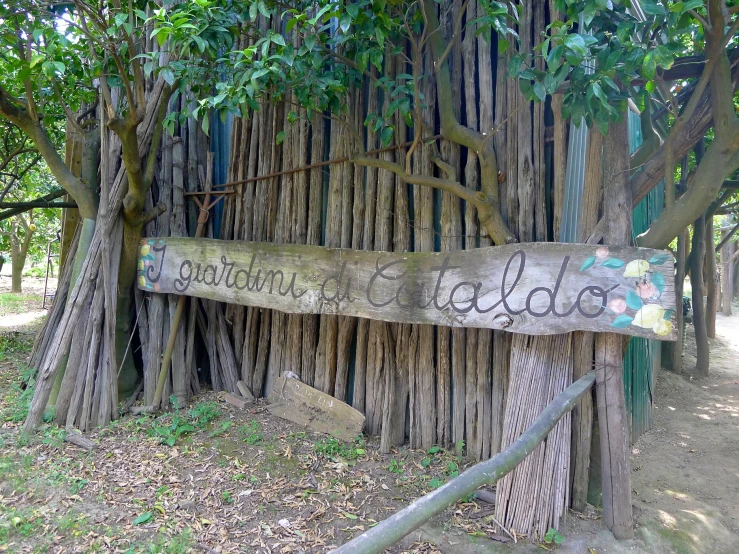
<point x="675" y="350"/>
<point x="699" y="307"/>
<point x="18" y="260"/>
<point x="18" y="254"/>
<point x="711" y="281"/>
<point x="727" y="277"/>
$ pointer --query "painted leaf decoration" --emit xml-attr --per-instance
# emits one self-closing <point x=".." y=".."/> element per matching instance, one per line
<point x="613" y="263"/>
<point x="633" y="301"/>
<point x="588" y="263"/>
<point x="659" y="259"/>
<point x="658" y="280"/>
<point x="622" y="321"/>
<point x="668" y="314"/>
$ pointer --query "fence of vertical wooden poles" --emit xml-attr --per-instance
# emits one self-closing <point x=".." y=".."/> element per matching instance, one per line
<point x="394" y="528"/>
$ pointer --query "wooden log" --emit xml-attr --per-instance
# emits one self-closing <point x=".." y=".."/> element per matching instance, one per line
<point x="236" y="401"/>
<point x="297" y="402"/>
<point x="614" y="434"/>
<point x="539" y="288"/>
<point x="244" y="390"/>
<point x="582" y="421"/>
<point x="315" y="206"/>
<point x="80" y="440"/>
<point x="180" y="372"/>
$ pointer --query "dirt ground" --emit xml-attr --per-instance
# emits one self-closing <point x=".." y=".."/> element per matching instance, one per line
<point x="243" y="481"/>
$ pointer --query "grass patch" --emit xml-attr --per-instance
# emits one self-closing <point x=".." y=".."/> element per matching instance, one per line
<point x="15" y="303"/>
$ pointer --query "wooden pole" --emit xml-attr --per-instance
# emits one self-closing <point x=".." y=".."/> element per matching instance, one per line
<point x="390" y="531"/>
<point x="614" y="433"/>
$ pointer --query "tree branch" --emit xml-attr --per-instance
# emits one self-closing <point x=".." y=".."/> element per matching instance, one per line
<point x="453" y="131"/>
<point x="156" y="139"/>
<point x="453" y="187"/>
<point x="63" y="175"/>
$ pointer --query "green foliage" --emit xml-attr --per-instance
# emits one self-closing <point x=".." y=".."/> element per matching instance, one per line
<point x="396" y="466"/>
<point x="169" y="434"/>
<point x="601" y="58"/>
<point x="221" y="429"/>
<point x="204" y="412"/>
<point x="143" y="518"/>
<point x="333" y="448"/>
<point x="251" y="433"/>
<point x="553" y="537"/>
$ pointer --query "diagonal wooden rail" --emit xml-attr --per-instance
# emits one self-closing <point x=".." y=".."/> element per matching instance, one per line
<point x="397" y="526"/>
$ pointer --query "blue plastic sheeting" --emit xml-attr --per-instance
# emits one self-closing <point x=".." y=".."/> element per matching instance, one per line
<point x="220" y="144"/>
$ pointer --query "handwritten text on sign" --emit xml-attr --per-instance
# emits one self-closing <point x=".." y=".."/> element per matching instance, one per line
<point x="537" y="288"/>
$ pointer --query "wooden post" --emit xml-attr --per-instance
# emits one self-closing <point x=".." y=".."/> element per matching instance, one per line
<point x="614" y="434"/>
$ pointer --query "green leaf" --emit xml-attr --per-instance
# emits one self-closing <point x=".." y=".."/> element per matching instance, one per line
<point x="633" y="301"/>
<point x="588" y="263"/>
<point x="622" y="322"/>
<point x="280" y="137"/>
<point x="206" y="124"/>
<point x="290" y="24"/>
<point x="167" y="75"/>
<point x="649" y="66"/>
<point x="37" y="58"/>
<point x="658" y="280"/>
<point x="540" y="91"/>
<point x="345" y="22"/>
<point x="613" y="263"/>
<point x="434" y="450"/>
<point x="576" y="43"/>
<point x="143" y="518"/>
<point x="651" y="7"/>
<point x="668" y="315"/>
<point x="350" y="516"/>
<point x="387" y="135"/>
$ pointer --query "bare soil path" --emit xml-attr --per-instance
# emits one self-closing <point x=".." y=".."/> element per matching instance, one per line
<point x="243" y="481"/>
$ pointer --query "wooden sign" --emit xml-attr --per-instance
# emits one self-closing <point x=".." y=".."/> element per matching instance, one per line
<point x="536" y="288"/>
<point x="297" y="402"/>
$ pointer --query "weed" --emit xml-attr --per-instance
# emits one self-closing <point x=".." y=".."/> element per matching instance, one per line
<point x="169" y="434"/>
<point x="203" y="413"/>
<point x="332" y="448"/>
<point x="221" y="429"/>
<point x="54" y="436"/>
<point x="395" y="466"/>
<point x="226" y="497"/>
<point x="251" y="432"/>
<point x="553" y="537"/>
<point x="239" y="477"/>
<point x="435" y="483"/>
<point x="77" y="485"/>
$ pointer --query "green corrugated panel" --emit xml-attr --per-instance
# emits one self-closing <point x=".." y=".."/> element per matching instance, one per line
<point x="638" y="370"/>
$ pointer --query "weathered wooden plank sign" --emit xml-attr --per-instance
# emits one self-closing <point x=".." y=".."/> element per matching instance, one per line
<point x="535" y="288"/>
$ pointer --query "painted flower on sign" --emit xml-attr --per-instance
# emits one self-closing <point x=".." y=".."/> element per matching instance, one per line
<point x="643" y="300"/>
